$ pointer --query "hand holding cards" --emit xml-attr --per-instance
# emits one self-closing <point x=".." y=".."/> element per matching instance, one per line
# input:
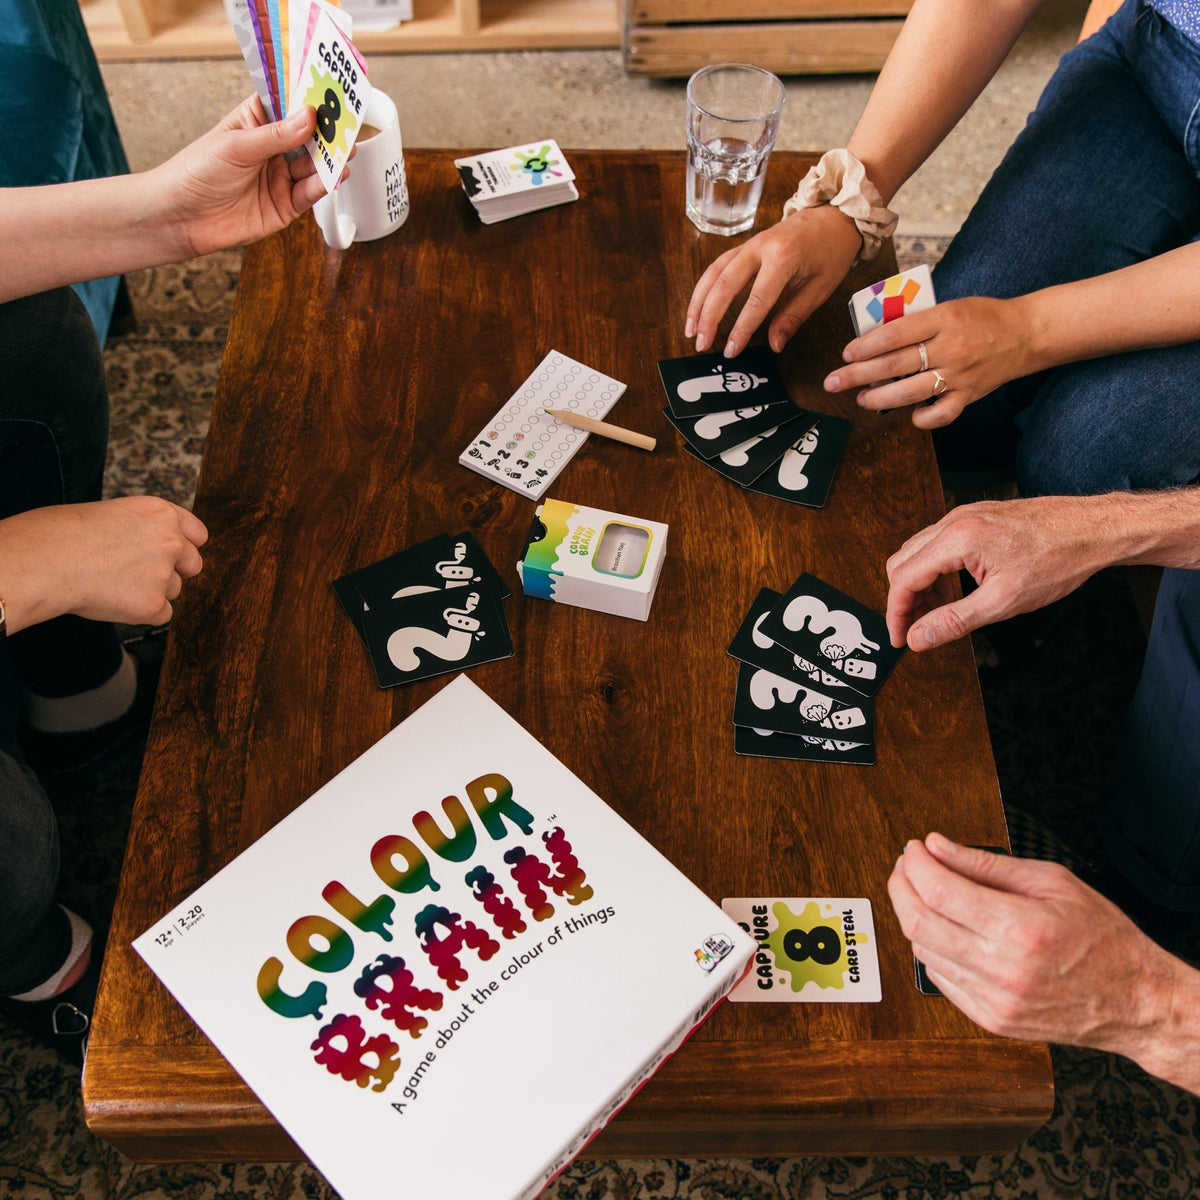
<point x="432" y="608"/>
<point x="299" y="52"/>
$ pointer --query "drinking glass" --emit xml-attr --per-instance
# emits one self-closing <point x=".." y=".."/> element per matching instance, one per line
<point x="732" y="121"/>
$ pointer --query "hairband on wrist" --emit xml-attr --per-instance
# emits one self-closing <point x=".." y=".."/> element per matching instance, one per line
<point x="840" y="180"/>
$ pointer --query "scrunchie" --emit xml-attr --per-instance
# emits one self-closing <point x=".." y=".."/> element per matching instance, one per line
<point x="841" y="180"/>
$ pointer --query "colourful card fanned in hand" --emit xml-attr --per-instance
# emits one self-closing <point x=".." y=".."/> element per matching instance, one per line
<point x="300" y="52"/>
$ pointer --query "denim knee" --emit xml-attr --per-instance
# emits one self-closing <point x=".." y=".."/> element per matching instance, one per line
<point x="29" y="859"/>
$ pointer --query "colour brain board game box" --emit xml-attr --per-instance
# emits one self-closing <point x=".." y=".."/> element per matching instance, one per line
<point x="444" y="970"/>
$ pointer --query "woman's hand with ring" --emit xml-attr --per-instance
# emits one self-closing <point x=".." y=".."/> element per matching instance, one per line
<point x="972" y="346"/>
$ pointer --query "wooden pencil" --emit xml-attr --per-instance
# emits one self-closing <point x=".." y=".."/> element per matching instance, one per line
<point x="603" y="428"/>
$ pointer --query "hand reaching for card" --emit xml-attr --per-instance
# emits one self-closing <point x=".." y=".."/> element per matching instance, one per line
<point x="801" y="259"/>
<point x="1027" y="950"/>
<point x="1023" y="554"/>
<point x="971" y="347"/>
<point x="116" y="560"/>
<point x="234" y="185"/>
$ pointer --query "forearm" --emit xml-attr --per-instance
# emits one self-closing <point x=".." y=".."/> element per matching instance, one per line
<point x="945" y="55"/>
<point x="1168" y="1043"/>
<point x="71" y="232"/>
<point x="1125" y="528"/>
<point x="1152" y="303"/>
<point x="29" y="596"/>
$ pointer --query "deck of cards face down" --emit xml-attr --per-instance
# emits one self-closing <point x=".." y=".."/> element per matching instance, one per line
<point x="432" y="608"/>
<point x="810" y="663"/>
<point x="736" y="416"/>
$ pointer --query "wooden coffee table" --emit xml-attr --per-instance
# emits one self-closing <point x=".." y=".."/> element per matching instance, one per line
<point x="351" y="382"/>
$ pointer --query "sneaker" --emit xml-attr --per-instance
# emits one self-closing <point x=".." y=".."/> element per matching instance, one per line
<point x="56" y="755"/>
<point x="64" y="1021"/>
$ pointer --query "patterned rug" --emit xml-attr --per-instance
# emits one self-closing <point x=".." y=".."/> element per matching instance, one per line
<point x="1054" y="708"/>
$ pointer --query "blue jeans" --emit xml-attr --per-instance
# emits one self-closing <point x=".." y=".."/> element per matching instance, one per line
<point x="1103" y="175"/>
<point x="53" y="438"/>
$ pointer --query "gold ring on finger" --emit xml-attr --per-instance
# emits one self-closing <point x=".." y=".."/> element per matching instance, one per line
<point x="939" y="383"/>
<point x="924" y="356"/>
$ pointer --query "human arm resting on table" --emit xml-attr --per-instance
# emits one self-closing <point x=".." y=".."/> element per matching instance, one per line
<point x="1028" y="951"/>
<point x="946" y="53"/>
<point x="979" y="343"/>
<point x="1024" y="554"/>
<point x="229" y="187"/>
<point x="114" y="560"/>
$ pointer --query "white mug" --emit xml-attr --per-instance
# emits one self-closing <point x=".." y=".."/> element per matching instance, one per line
<point x="373" y="201"/>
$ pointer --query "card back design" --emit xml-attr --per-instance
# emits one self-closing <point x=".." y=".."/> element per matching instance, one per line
<point x="522" y="447"/>
<point x="897" y="296"/>
<point x="803" y="747"/>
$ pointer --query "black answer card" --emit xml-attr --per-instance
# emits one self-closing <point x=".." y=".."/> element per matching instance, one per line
<point x="711" y="434"/>
<point x="442" y="563"/>
<point x="804" y="474"/>
<point x="746" y="461"/>
<point x="835" y="631"/>
<point x="708" y="383"/>
<point x="752" y="646"/>
<point x="765" y="701"/>
<point x="433" y="632"/>
<point x="803" y="748"/>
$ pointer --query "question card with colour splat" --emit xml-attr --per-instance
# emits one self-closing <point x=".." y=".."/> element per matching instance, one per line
<point x="447" y="968"/>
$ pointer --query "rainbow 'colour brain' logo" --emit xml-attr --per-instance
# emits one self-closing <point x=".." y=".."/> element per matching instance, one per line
<point x="810" y="947"/>
<point x="537" y="164"/>
<point x="892" y="296"/>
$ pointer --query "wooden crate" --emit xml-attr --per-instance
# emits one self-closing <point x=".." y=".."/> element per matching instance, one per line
<point x="134" y="29"/>
<point x="789" y="37"/>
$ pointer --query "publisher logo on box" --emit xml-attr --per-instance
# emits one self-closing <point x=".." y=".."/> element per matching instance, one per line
<point x="712" y="951"/>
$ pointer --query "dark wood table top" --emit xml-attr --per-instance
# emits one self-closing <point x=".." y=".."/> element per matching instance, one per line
<point x="350" y="384"/>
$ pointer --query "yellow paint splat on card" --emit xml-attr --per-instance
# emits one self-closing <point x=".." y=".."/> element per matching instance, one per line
<point x="809" y="950"/>
<point x="333" y="81"/>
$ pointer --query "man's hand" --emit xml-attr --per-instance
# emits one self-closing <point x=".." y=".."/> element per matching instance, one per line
<point x="116" y="560"/>
<point x="803" y="258"/>
<point x="233" y="185"/>
<point x="1023" y="554"/>
<point x="1028" y="951"/>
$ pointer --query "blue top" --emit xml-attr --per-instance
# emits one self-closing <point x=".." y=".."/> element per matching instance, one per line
<point x="1183" y="14"/>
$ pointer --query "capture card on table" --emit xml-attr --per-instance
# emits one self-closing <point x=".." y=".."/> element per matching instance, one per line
<point x="809" y="950"/>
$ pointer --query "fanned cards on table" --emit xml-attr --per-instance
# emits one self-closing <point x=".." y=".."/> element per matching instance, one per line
<point x="448" y="967"/>
<point x="810" y="663"/>
<point x="736" y="416"/>
<point x="300" y="52"/>
<point x="520" y="179"/>
<point x="525" y="448"/>
<point x="435" y="607"/>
